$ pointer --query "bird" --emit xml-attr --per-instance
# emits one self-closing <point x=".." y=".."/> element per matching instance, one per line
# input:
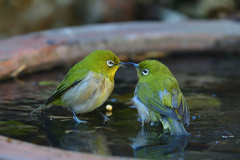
<point x="158" y="98"/>
<point x="87" y="85"/>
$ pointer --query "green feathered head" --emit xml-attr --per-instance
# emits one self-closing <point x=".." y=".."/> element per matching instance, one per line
<point x="101" y="61"/>
<point x="150" y="70"/>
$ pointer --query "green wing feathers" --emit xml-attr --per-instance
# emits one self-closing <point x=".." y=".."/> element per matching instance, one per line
<point x="167" y="100"/>
<point x="173" y="97"/>
<point x="183" y="111"/>
<point x="149" y="97"/>
<point x="72" y="78"/>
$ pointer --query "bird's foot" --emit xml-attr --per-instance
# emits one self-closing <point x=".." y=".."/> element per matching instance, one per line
<point x="79" y="121"/>
<point x="105" y="119"/>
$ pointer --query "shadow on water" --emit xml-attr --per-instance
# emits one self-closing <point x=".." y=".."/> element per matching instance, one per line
<point x="212" y="92"/>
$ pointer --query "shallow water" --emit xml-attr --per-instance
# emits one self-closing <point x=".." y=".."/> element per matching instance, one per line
<point x="211" y="86"/>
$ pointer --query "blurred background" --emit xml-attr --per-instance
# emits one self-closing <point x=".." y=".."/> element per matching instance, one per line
<point x="24" y="16"/>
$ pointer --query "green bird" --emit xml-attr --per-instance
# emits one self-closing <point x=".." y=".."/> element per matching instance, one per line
<point x="87" y="84"/>
<point x="159" y="99"/>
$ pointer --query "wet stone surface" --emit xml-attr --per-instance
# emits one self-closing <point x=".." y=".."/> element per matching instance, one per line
<point x="211" y="87"/>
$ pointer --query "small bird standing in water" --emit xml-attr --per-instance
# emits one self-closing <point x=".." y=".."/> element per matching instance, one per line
<point x="158" y="97"/>
<point x="87" y="84"/>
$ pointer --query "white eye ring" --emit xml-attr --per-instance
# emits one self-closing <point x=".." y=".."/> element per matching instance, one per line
<point x="110" y="63"/>
<point x="145" y="72"/>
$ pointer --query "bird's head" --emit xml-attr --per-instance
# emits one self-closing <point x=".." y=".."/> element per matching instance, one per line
<point x="150" y="70"/>
<point x="104" y="62"/>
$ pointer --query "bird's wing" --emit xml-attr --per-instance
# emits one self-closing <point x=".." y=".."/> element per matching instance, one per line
<point x="70" y="80"/>
<point x="151" y="99"/>
<point x="174" y="93"/>
<point x="183" y="110"/>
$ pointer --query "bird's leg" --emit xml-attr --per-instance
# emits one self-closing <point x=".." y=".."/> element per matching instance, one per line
<point x="76" y="118"/>
<point x="105" y="118"/>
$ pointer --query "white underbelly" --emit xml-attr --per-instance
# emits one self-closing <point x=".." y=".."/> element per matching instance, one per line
<point x="146" y="114"/>
<point x="142" y="109"/>
<point x="89" y="94"/>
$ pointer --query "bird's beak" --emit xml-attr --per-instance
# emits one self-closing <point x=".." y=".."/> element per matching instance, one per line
<point x="122" y="64"/>
<point x="133" y="64"/>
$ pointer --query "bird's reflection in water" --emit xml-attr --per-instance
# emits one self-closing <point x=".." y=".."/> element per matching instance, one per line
<point x="150" y="142"/>
<point x="65" y="135"/>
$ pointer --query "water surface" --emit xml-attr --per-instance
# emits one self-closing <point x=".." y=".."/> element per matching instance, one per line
<point x="211" y="86"/>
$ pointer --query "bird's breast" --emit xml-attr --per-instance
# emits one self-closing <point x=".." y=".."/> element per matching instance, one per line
<point x="89" y="94"/>
<point x="142" y="109"/>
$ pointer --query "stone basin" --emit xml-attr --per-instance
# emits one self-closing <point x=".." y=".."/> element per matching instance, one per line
<point x="199" y="53"/>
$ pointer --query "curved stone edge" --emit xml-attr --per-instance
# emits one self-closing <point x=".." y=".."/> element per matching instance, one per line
<point x="12" y="149"/>
<point x="18" y="150"/>
<point x="46" y="49"/>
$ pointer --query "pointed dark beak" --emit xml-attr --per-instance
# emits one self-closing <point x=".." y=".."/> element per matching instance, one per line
<point x="122" y="64"/>
<point x="133" y="64"/>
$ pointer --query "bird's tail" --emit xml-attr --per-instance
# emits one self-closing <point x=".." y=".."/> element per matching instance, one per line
<point x="176" y="127"/>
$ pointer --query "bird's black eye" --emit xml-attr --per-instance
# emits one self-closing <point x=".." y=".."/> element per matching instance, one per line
<point x="145" y="72"/>
<point x="110" y="63"/>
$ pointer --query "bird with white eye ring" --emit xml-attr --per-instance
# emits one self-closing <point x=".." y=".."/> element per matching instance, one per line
<point x="158" y="98"/>
<point x="110" y="63"/>
<point x="145" y="72"/>
<point x="87" y="84"/>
